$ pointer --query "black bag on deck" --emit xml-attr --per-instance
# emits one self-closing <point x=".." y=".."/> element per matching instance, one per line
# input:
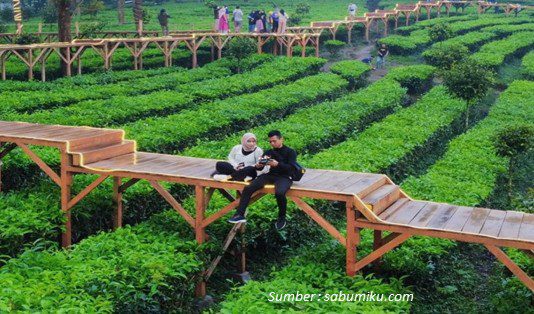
<point x="298" y="171"/>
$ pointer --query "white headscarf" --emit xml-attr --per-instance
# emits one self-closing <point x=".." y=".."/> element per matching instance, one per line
<point x="248" y="147"/>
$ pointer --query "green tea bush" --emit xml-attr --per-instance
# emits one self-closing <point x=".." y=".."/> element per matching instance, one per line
<point x="443" y="56"/>
<point x="161" y="134"/>
<point x="318" y="269"/>
<point x="122" y="109"/>
<point x="338" y="118"/>
<point x="494" y="54"/>
<point x="354" y="71"/>
<point x="416" y="78"/>
<point x="148" y="268"/>
<point x="467" y="173"/>
<point x="378" y="149"/>
<point x="334" y="46"/>
<point x="528" y="65"/>
<point x="440" y="32"/>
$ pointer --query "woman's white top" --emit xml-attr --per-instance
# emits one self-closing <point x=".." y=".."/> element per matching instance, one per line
<point x="236" y="156"/>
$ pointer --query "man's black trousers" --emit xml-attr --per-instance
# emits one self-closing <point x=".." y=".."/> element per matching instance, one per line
<point x="281" y="186"/>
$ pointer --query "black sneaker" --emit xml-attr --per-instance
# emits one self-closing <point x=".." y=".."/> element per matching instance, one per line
<point x="237" y="219"/>
<point x="280" y="223"/>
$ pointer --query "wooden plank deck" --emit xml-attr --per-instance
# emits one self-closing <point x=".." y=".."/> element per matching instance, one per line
<point x="380" y="204"/>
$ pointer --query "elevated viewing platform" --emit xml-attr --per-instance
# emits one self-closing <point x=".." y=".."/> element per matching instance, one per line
<point x="372" y="200"/>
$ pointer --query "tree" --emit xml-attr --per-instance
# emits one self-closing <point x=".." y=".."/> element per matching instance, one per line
<point x="138" y="14"/>
<point x="333" y="46"/>
<point x="17" y="15"/>
<point x="239" y="48"/>
<point x="511" y="142"/>
<point x="64" y="21"/>
<point x="120" y="11"/>
<point x="440" y="32"/>
<point x="303" y="8"/>
<point x="93" y="7"/>
<point x="468" y="80"/>
<point x="372" y="5"/>
<point x="444" y="56"/>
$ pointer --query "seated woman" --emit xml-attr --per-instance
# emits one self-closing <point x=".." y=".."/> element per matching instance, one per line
<point x="241" y="161"/>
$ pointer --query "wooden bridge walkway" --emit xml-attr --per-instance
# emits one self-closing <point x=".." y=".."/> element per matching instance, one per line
<point x="372" y="200"/>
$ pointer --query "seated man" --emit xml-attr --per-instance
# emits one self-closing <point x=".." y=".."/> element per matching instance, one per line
<point x="281" y="160"/>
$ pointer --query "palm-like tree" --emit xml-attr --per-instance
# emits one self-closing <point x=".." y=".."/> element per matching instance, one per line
<point x="17" y="15"/>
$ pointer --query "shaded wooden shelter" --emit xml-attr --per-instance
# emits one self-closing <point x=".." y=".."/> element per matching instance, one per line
<point x="371" y="200"/>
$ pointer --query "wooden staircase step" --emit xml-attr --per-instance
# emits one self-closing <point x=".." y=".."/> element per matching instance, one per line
<point x="382" y="198"/>
<point x="393" y="208"/>
<point x="106" y="138"/>
<point x="95" y="154"/>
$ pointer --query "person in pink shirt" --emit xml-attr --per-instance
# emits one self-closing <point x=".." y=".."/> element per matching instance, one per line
<point x="223" y="21"/>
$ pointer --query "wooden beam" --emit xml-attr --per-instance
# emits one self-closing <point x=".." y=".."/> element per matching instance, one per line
<point x="128" y="184"/>
<point x="172" y="201"/>
<point x="86" y="191"/>
<point x="228" y="208"/>
<point x="320" y="220"/>
<point x="227" y="195"/>
<point x="501" y="256"/>
<point x="41" y="164"/>
<point x="229" y="238"/>
<point x="8" y="148"/>
<point x="381" y="251"/>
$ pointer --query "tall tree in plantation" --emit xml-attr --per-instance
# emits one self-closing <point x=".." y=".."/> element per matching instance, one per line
<point x="120" y="9"/>
<point x="138" y="15"/>
<point x="64" y="20"/>
<point x="17" y="15"/>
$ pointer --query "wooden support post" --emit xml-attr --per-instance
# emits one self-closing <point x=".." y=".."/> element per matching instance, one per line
<point x="79" y="64"/>
<point x="66" y="183"/>
<point x="117" y="202"/>
<point x="243" y="255"/>
<point x="30" y="64"/>
<point x="107" y="57"/>
<point x="260" y="45"/>
<point x="395" y="241"/>
<point x="317" y="47"/>
<point x="501" y="256"/>
<point x="377" y="243"/>
<point x="353" y="239"/>
<point x="43" y="71"/>
<point x="200" y="235"/>
<point x="3" y="65"/>
<point x="212" y="51"/>
<point x="69" y="62"/>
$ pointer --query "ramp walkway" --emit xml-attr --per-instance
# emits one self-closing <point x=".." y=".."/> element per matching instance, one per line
<point x="372" y="200"/>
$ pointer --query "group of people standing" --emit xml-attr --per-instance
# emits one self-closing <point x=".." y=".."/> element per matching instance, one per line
<point x="258" y="21"/>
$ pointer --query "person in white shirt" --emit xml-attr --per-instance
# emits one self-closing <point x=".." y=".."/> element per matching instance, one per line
<point x="352" y="10"/>
<point x="238" y="19"/>
<point x="241" y="161"/>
